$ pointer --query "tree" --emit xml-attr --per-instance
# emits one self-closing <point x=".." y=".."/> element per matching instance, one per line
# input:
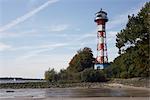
<point x="51" y="75"/>
<point x="137" y="29"/>
<point x="82" y="60"/>
<point x="133" y="45"/>
<point x="63" y="75"/>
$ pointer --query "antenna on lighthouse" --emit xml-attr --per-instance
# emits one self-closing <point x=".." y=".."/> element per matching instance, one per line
<point x="102" y="57"/>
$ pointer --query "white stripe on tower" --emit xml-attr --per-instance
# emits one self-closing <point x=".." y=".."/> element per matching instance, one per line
<point x="102" y="58"/>
<point x="100" y="46"/>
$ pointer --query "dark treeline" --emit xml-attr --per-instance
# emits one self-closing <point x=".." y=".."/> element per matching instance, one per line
<point x="133" y="60"/>
<point x="133" y="45"/>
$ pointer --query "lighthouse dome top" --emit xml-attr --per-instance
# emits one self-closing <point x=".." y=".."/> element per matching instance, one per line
<point x="101" y="15"/>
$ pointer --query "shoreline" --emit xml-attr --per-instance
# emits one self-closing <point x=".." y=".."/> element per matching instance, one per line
<point x="117" y="85"/>
<point x="80" y="93"/>
<point x="113" y="86"/>
<point x="81" y="98"/>
<point x="133" y="83"/>
<point x="68" y="85"/>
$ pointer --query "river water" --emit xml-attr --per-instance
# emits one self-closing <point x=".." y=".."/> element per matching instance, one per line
<point x="74" y="92"/>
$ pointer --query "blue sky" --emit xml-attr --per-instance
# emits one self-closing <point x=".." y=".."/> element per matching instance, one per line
<point x="39" y="34"/>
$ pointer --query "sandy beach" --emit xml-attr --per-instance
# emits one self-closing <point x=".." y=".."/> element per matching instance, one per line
<point x="108" y="92"/>
<point x="116" y="85"/>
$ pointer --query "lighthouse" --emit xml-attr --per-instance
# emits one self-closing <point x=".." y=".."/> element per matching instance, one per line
<point x="102" y="57"/>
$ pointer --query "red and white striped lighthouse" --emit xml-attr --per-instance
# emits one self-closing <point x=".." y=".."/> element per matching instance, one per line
<point x="102" y="57"/>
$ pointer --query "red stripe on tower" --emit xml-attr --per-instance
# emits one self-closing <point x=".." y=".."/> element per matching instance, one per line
<point x="101" y="19"/>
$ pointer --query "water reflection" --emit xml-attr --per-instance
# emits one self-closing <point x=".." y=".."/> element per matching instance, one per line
<point x="101" y="92"/>
<point x="72" y="92"/>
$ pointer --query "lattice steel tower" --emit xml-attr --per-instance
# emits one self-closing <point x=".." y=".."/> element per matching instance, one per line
<point x="102" y="57"/>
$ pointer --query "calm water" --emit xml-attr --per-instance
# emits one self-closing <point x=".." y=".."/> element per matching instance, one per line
<point x="20" y="81"/>
<point x="63" y="92"/>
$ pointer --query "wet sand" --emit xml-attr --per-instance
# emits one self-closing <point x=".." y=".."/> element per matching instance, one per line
<point x="110" y="92"/>
<point x="82" y="98"/>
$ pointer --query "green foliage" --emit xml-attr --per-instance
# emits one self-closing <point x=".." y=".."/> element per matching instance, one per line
<point x="66" y="76"/>
<point x="51" y="75"/>
<point x="82" y="60"/>
<point x="133" y="45"/>
<point x="112" y="71"/>
<point x="137" y="29"/>
<point x="91" y="75"/>
<point x="80" y="70"/>
<point x="63" y="75"/>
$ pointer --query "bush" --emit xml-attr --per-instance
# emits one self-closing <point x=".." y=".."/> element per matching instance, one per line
<point x="124" y="75"/>
<point x="51" y="75"/>
<point x="91" y="75"/>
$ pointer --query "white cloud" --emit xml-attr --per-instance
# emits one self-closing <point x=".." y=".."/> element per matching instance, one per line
<point x="18" y="33"/>
<point x="122" y="18"/>
<point x="85" y="36"/>
<point x="77" y="29"/>
<point x="26" y="16"/>
<point x="58" y="28"/>
<point x="34" y="68"/>
<point x="34" y="51"/>
<point x="90" y="35"/>
<point x="111" y="36"/>
<point x="112" y="52"/>
<point x="4" y="47"/>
